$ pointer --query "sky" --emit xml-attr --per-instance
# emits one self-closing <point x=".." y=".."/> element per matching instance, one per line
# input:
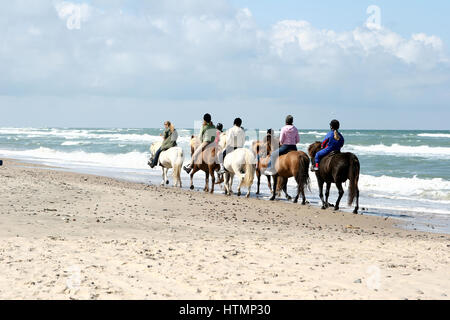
<point x="117" y="63"/>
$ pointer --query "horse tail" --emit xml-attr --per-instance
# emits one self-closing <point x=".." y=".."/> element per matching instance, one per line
<point x="250" y="168"/>
<point x="353" y="176"/>
<point x="303" y="170"/>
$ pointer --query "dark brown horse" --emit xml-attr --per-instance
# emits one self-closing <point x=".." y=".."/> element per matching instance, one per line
<point x="208" y="165"/>
<point x="293" y="164"/>
<point x="337" y="168"/>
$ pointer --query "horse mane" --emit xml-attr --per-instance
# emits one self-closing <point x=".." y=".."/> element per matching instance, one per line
<point x="155" y="146"/>
<point x="314" y="148"/>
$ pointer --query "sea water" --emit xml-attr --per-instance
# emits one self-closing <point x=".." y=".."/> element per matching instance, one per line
<point x="404" y="174"/>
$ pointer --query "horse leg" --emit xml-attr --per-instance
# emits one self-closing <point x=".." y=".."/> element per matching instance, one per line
<point x="258" y="180"/>
<point x="227" y="179"/>
<point x="274" y="190"/>
<point x="206" y="188"/>
<point x="167" y="176"/>
<point x="320" y="183"/>
<point x="213" y="178"/>
<point x="194" y="170"/>
<point x="240" y="178"/>
<point x="288" y="197"/>
<point x="163" y="177"/>
<point x="355" y="211"/>
<point x="327" y="195"/>
<point x="269" y="184"/>
<point x="341" y="193"/>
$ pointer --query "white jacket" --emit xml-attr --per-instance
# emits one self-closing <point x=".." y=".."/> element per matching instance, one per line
<point x="235" y="137"/>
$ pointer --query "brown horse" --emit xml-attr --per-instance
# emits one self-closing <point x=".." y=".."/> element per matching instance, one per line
<point x="293" y="164"/>
<point x="337" y="168"/>
<point x="208" y="165"/>
<point x="262" y="150"/>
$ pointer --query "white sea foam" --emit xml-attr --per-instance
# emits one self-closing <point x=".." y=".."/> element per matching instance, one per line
<point x="400" y="150"/>
<point x="434" y="135"/>
<point x="72" y="143"/>
<point x="407" y="188"/>
<point x="131" y="160"/>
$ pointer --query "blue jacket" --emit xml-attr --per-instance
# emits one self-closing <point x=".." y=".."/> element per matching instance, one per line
<point x="332" y="144"/>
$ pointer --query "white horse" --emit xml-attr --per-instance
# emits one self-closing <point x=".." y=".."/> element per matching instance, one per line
<point x="242" y="163"/>
<point x="172" y="158"/>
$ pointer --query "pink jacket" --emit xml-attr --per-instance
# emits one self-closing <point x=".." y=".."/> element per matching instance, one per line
<point x="289" y="135"/>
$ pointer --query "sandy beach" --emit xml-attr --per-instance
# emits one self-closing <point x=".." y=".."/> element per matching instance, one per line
<point x="76" y="236"/>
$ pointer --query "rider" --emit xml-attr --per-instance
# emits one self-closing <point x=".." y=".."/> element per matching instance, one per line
<point x="333" y="141"/>
<point x="219" y="128"/>
<point x="170" y="136"/>
<point x="288" y="139"/>
<point x="235" y="139"/>
<point x="271" y="141"/>
<point x="207" y="136"/>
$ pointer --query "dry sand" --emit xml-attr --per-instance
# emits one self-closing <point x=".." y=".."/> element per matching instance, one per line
<point x="67" y="235"/>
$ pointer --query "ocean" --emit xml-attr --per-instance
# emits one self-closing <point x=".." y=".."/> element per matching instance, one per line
<point x="404" y="174"/>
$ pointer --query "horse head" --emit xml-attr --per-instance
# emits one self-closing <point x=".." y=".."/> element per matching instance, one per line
<point x="314" y="148"/>
<point x="260" y="148"/>
<point x="194" y="143"/>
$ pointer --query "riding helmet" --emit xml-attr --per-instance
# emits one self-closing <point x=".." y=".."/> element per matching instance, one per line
<point x="219" y="126"/>
<point x="334" y="124"/>
<point x="207" y="117"/>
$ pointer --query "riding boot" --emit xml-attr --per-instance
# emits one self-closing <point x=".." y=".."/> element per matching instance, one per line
<point x="188" y="168"/>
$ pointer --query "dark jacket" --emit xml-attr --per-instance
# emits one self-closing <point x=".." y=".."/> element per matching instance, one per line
<point x="170" y="139"/>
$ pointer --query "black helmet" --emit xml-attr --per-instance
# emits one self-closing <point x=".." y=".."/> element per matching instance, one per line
<point x="269" y="131"/>
<point x="289" y="120"/>
<point x="207" y="117"/>
<point x="334" y="124"/>
<point x="237" y="122"/>
<point x="219" y="126"/>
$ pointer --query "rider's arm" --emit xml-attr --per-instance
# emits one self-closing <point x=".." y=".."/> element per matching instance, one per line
<point x="327" y="139"/>
<point x="282" y="136"/>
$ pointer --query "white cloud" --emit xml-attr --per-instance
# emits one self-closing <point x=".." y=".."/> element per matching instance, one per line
<point x="209" y="50"/>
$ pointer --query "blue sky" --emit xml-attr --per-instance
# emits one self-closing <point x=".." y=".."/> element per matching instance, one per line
<point x="137" y="63"/>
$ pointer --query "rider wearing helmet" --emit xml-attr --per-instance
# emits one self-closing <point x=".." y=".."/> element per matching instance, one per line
<point x="333" y="141"/>
<point x="207" y="136"/>
<point x="219" y="128"/>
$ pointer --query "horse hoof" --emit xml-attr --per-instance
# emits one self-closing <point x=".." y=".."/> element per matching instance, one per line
<point x="192" y="187"/>
<point x="239" y="194"/>
<point x="355" y="211"/>
<point x="295" y="200"/>
<point x="272" y="199"/>
<point x="167" y="182"/>
<point x="324" y="208"/>
<point x="336" y="208"/>
<point x="248" y="195"/>
<point x="289" y="199"/>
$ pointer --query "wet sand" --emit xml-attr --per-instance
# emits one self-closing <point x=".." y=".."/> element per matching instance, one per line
<point x="76" y="236"/>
